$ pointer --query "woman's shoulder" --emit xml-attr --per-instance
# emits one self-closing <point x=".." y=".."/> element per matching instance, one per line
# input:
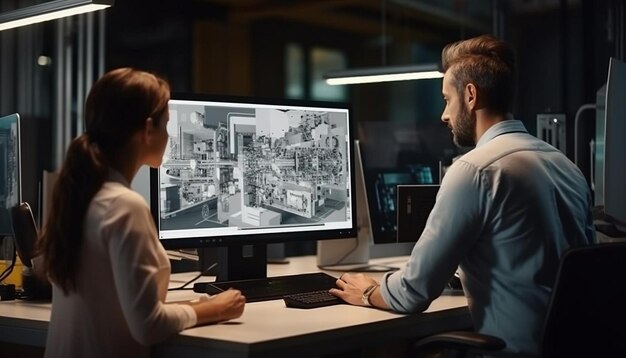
<point x="120" y="196"/>
<point x="117" y="213"/>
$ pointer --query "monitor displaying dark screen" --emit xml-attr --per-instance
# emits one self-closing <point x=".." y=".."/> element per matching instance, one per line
<point x="10" y="181"/>
<point x="399" y="153"/>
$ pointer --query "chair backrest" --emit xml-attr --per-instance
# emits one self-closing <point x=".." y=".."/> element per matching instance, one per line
<point x="587" y="311"/>
<point x="34" y="284"/>
<point x="24" y="231"/>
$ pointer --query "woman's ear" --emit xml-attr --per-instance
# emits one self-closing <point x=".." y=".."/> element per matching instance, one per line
<point x="149" y="129"/>
<point x="148" y="133"/>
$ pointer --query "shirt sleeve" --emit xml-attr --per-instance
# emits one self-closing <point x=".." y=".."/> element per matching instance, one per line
<point x="141" y="273"/>
<point x="452" y="227"/>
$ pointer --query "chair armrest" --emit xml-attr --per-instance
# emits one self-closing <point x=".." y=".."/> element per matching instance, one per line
<point x="461" y="340"/>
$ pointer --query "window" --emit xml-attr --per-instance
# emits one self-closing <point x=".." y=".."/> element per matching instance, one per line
<point x="324" y="60"/>
<point x="305" y="68"/>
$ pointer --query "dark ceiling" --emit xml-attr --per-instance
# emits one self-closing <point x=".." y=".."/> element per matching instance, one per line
<point x="408" y="18"/>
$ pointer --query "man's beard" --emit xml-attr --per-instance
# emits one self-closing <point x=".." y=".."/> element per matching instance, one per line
<point x="464" y="130"/>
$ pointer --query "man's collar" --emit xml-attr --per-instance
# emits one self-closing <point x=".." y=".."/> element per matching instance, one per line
<point x="509" y="125"/>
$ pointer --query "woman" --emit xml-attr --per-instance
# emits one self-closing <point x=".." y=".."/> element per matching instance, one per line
<point x="100" y="248"/>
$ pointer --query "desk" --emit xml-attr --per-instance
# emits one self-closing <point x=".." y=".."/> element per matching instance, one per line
<point x="269" y="328"/>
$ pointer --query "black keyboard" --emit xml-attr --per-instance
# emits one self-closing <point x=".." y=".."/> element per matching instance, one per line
<point x="311" y="299"/>
<point x="271" y="288"/>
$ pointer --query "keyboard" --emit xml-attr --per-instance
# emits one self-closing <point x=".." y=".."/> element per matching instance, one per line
<point x="271" y="288"/>
<point x="312" y="299"/>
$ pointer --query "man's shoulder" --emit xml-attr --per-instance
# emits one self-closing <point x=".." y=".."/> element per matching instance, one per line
<point x="503" y="146"/>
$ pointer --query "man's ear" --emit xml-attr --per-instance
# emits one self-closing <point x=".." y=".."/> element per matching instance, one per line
<point x="470" y="96"/>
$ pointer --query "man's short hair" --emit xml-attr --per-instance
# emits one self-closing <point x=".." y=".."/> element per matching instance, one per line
<point x="489" y="64"/>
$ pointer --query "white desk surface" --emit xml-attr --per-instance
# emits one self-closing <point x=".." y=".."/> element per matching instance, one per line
<point x="269" y="328"/>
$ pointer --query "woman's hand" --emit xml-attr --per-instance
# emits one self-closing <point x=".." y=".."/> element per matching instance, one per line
<point x="221" y="307"/>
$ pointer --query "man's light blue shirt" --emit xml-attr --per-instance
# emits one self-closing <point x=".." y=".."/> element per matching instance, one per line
<point x="505" y="213"/>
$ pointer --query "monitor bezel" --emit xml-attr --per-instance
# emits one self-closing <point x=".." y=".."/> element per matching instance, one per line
<point x="612" y="142"/>
<point x="250" y="239"/>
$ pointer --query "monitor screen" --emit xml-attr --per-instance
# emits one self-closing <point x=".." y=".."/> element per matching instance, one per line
<point x="614" y="143"/>
<point x="413" y="154"/>
<point x="10" y="181"/>
<point x="246" y="171"/>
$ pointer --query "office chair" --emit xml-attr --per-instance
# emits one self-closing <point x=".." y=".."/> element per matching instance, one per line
<point x="456" y="344"/>
<point x="587" y="311"/>
<point x="25" y="234"/>
<point x="586" y="315"/>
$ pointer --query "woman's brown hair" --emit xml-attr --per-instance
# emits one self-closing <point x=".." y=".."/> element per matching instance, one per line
<point x="116" y="108"/>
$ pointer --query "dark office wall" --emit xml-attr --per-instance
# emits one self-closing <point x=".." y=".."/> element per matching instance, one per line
<point x="563" y="59"/>
<point x="154" y="36"/>
<point x="269" y="39"/>
<point x="542" y="65"/>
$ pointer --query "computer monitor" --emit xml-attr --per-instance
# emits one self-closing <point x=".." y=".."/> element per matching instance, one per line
<point x="399" y="153"/>
<point x="615" y="144"/>
<point x="239" y="173"/>
<point x="10" y="177"/>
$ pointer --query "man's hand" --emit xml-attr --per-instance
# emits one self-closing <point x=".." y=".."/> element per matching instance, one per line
<point x="351" y="287"/>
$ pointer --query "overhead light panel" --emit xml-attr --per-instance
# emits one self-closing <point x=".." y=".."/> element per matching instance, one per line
<point x="50" y="10"/>
<point x="383" y="74"/>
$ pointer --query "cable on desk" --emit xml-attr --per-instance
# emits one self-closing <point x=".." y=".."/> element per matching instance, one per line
<point x="193" y="279"/>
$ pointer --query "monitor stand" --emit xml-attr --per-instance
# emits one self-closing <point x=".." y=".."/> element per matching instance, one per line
<point x="33" y="287"/>
<point x="352" y="251"/>
<point x="347" y="255"/>
<point x="241" y="262"/>
<point x="276" y="254"/>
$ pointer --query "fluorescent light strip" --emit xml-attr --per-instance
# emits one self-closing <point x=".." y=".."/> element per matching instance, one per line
<point x="384" y="78"/>
<point x="52" y="15"/>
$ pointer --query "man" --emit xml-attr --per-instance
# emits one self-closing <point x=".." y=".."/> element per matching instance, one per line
<point x="505" y="212"/>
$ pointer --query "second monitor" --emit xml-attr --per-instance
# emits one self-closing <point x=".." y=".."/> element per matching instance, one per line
<point x="399" y="153"/>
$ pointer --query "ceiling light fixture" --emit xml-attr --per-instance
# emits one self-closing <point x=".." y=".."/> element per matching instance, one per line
<point x="383" y="74"/>
<point x="49" y="10"/>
